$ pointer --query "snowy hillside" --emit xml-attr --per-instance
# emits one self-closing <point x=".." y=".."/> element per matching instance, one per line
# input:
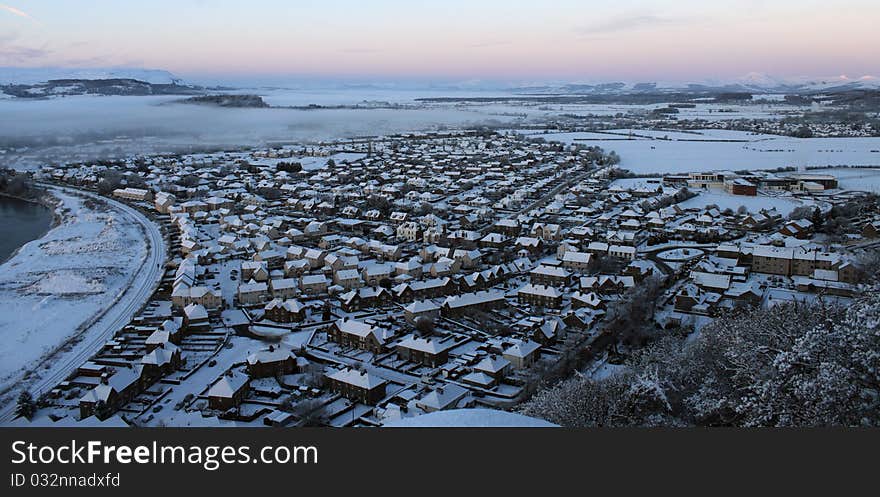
<point x="30" y="76"/>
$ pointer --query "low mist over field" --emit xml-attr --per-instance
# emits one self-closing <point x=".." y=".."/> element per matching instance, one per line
<point x="96" y="126"/>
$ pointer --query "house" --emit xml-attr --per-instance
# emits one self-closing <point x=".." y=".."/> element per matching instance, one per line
<point x="550" y="275"/>
<point x="409" y="231"/>
<point x="772" y="260"/>
<point x="607" y="284"/>
<point x="622" y="252"/>
<point x="357" y="334"/>
<point x="531" y="245"/>
<point x="430" y="351"/>
<point x="548" y="330"/>
<point x="314" y="284"/>
<point x="597" y="248"/>
<point x="441" y="398"/>
<point x="479" y="379"/>
<point x="168" y="332"/>
<point x="639" y="269"/>
<point x="161" y="360"/>
<point x="163" y="202"/>
<point x="798" y="228"/>
<point x="522" y="353"/>
<point x="206" y="297"/>
<point x="589" y="299"/>
<point x="576" y="261"/>
<point x="457" y="305"/>
<point x="508" y="227"/>
<point x="253" y="293"/>
<point x="540" y="295"/>
<point x="271" y="362"/>
<point x="113" y="392"/>
<point x="284" y="311"/>
<point x="756" y="221"/>
<point x="871" y="230"/>
<point x="348" y="279"/>
<point x="135" y="194"/>
<point x="254" y="270"/>
<point x="411" y="268"/>
<point x="421" y="309"/>
<point x="692" y="299"/>
<point x="358" y="386"/>
<point x="547" y="232"/>
<point x="364" y="297"/>
<point x="712" y="282"/>
<point x="376" y="272"/>
<point x="195" y="316"/>
<point x="228" y="391"/>
<point x="494" y="366"/>
<point x="494" y="241"/>
<point x="284" y="288"/>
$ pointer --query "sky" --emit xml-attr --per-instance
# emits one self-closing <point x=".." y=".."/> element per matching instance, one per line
<point x="449" y="40"/>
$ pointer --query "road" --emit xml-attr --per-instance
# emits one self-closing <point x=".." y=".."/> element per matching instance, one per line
<point x="103" y="326"/>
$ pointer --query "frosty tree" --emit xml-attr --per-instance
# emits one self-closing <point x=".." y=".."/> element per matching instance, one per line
<point x="791" y="365"/>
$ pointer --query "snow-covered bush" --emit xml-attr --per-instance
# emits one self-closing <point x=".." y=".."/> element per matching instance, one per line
<point x="791" y="365"/>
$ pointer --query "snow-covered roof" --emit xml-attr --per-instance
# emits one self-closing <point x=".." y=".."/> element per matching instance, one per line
<point x="357" y="378"/>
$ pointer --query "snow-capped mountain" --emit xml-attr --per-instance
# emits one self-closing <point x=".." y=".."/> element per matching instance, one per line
<point x="751" y="83"/>
<point x="763" y="81"/>
<point x="30" y="76"/>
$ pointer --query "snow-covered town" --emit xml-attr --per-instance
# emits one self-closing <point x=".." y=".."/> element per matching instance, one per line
<point x="367" y="281"/>
<point x="253" y="246"/>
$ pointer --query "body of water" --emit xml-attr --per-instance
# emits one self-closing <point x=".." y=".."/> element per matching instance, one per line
<point x="21" y="222"/>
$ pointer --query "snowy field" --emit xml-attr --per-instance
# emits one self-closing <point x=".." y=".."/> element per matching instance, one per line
<point x="860" y="179"/>
<point x="311" y="163"/>
<point x="724" y="200"/>
<point x="315" y="163"/>
<point x="58" y="283"/>
<point x="644" y="155"/>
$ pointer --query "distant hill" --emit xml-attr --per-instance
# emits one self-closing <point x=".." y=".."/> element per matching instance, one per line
<point x="57" y="82"/>
<point x="107" y="87"/>
<point x="244" y="101"/>
<point x="33" y="76"/>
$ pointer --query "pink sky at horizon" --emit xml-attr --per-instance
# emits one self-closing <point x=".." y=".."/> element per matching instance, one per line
<point x="565" y="39"/>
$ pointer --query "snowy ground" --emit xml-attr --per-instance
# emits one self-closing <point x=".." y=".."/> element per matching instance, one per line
<point x="56" y="285"/>
<point x="644" y="154"/>
<point x="860" y="179"/>
<point x="680" y="254"/>
<point x="315" y="163"/>
<point x="724" y="200"/>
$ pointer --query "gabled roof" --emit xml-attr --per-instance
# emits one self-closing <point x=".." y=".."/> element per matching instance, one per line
<point x="228" y="385"/>
<point x="360" y="379"/>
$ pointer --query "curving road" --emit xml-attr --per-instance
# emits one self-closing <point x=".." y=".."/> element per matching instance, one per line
<point x="102" y="327"/>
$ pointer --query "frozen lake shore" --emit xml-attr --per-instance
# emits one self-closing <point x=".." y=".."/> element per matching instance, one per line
<point x="57" y="289"/>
